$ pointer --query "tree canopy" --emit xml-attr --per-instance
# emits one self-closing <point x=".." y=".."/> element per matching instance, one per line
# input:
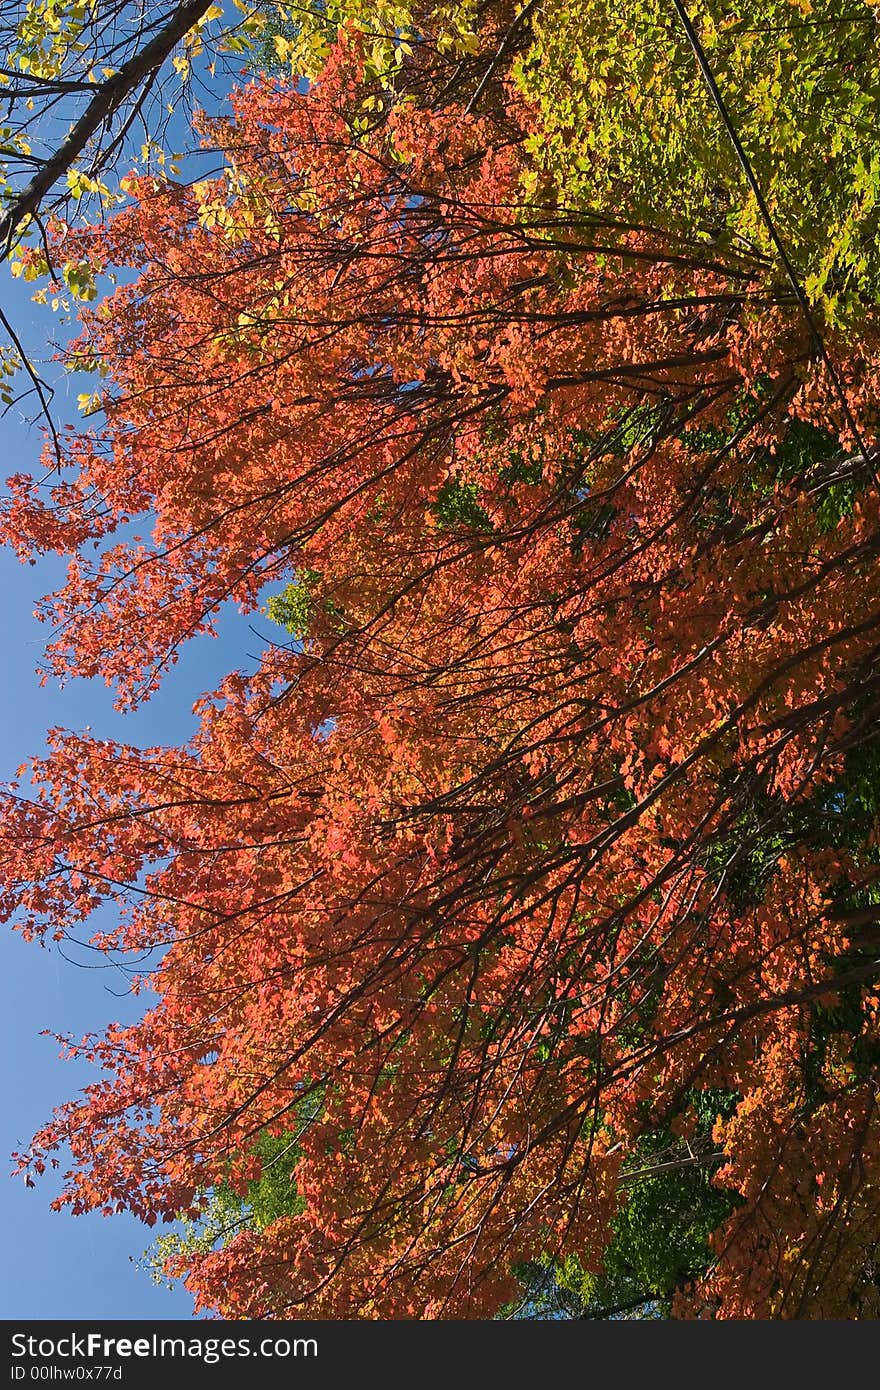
<point x="520" y="913"/>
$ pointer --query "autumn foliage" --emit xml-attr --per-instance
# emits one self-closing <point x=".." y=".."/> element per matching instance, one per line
<point x="544" y="830"/>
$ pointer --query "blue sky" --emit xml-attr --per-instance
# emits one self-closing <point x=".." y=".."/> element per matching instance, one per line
<point x="58" y="1266"/>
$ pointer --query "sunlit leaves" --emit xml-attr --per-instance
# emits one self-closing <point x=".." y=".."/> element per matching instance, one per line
<point x="627" y="122"/>
<point x="518" y="855"/>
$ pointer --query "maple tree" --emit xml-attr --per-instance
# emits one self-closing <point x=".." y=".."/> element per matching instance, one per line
<point x="87" y="86"/>
<point x="627" y="120"/>
<point x="535" y="860"/>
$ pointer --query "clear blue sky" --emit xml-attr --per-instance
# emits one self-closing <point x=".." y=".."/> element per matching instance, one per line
<point x="55" y="1265"/>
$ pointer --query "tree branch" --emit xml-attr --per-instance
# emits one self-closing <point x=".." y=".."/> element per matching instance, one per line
<point x="106" y="101"/>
